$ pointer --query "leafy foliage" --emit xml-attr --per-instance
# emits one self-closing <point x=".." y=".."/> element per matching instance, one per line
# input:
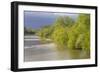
<point x="68" y="33"/>
<point x="59" y="36"/>
<point x="78" y="33"/>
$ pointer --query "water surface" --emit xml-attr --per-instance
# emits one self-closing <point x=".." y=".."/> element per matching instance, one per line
<point x="36" y="50"/>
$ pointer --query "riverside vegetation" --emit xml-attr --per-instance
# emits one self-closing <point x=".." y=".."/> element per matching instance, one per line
<point x="68" y="33"/>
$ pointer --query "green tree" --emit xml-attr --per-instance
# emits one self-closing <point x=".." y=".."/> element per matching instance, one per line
<point x="77" y="33"/>
<point x="59" y="35"/>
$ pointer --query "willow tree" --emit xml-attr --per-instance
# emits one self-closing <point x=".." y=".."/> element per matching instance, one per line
<point x="59" y="35"/>
<point x="79" y="34"/>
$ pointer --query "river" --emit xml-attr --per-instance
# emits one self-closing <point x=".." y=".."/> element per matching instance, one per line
<point x="36" y="50"/>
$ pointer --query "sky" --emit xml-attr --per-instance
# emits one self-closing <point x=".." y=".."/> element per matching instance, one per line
<point x="36" y="19"/>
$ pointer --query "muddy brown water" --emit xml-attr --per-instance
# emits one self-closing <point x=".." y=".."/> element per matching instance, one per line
<point x="35" y="50"/>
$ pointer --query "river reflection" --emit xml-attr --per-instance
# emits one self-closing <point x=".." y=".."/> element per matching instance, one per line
<point x="73" y="54"/>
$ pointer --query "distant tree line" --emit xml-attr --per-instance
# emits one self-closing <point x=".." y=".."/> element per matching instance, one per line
<point x="29" y="31"/>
